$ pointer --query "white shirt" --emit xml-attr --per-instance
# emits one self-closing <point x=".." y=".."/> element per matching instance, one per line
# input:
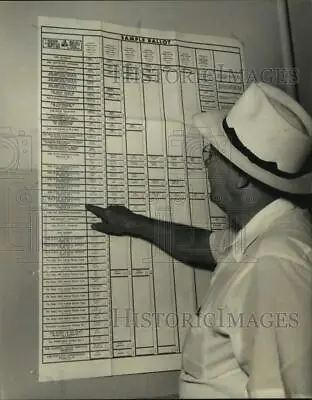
<point x="253" y="335"/>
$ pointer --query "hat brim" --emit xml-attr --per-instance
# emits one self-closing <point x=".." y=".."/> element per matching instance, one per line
<point x="209" y="125"/>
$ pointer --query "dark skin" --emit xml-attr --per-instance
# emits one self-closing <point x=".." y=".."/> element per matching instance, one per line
<point x="187" y="244"/>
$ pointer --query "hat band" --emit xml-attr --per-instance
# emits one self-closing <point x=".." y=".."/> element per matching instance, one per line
<point x="270" y="166"/>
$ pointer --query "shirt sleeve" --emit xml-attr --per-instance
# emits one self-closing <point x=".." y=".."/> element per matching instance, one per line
<point x="277" y="334"/>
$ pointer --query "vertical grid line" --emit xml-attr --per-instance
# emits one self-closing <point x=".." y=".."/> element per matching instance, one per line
<point x="85" y="183"/>
<point x="167" y="168"/>
<point x="126" y="160"/>
<point x="149" y="201"/>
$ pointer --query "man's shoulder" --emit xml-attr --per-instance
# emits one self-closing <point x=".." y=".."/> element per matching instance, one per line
<point x="289" y="237"/>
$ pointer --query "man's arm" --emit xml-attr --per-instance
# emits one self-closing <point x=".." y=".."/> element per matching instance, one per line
<point x="187" y="244"/>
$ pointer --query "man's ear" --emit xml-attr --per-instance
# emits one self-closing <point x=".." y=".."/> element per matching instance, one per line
<point x="242" y="181"/>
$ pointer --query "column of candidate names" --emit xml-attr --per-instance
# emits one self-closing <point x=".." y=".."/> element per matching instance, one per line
<point x="114" y="131"/>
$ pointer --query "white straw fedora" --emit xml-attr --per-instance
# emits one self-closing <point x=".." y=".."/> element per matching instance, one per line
<point x="267" y="134"/>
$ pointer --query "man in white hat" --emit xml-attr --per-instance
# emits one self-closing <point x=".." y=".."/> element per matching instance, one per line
<point x="252" y="336"/>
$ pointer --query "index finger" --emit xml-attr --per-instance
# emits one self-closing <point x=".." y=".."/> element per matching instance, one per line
<point x="98" y="211"/>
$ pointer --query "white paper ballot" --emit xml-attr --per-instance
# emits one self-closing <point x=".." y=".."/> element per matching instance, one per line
<point x="115" y="112"/>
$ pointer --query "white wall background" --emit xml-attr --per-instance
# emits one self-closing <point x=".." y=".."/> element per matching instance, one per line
<point x="253" y="22"/>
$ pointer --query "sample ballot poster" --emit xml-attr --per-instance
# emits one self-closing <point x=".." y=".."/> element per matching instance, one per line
<point x="115" y="128"/>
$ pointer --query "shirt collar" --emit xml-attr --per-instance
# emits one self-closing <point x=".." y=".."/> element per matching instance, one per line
<point x="258" y="224"/>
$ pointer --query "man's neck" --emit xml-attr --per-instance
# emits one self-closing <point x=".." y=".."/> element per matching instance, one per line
<point x="240" y="217"/>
